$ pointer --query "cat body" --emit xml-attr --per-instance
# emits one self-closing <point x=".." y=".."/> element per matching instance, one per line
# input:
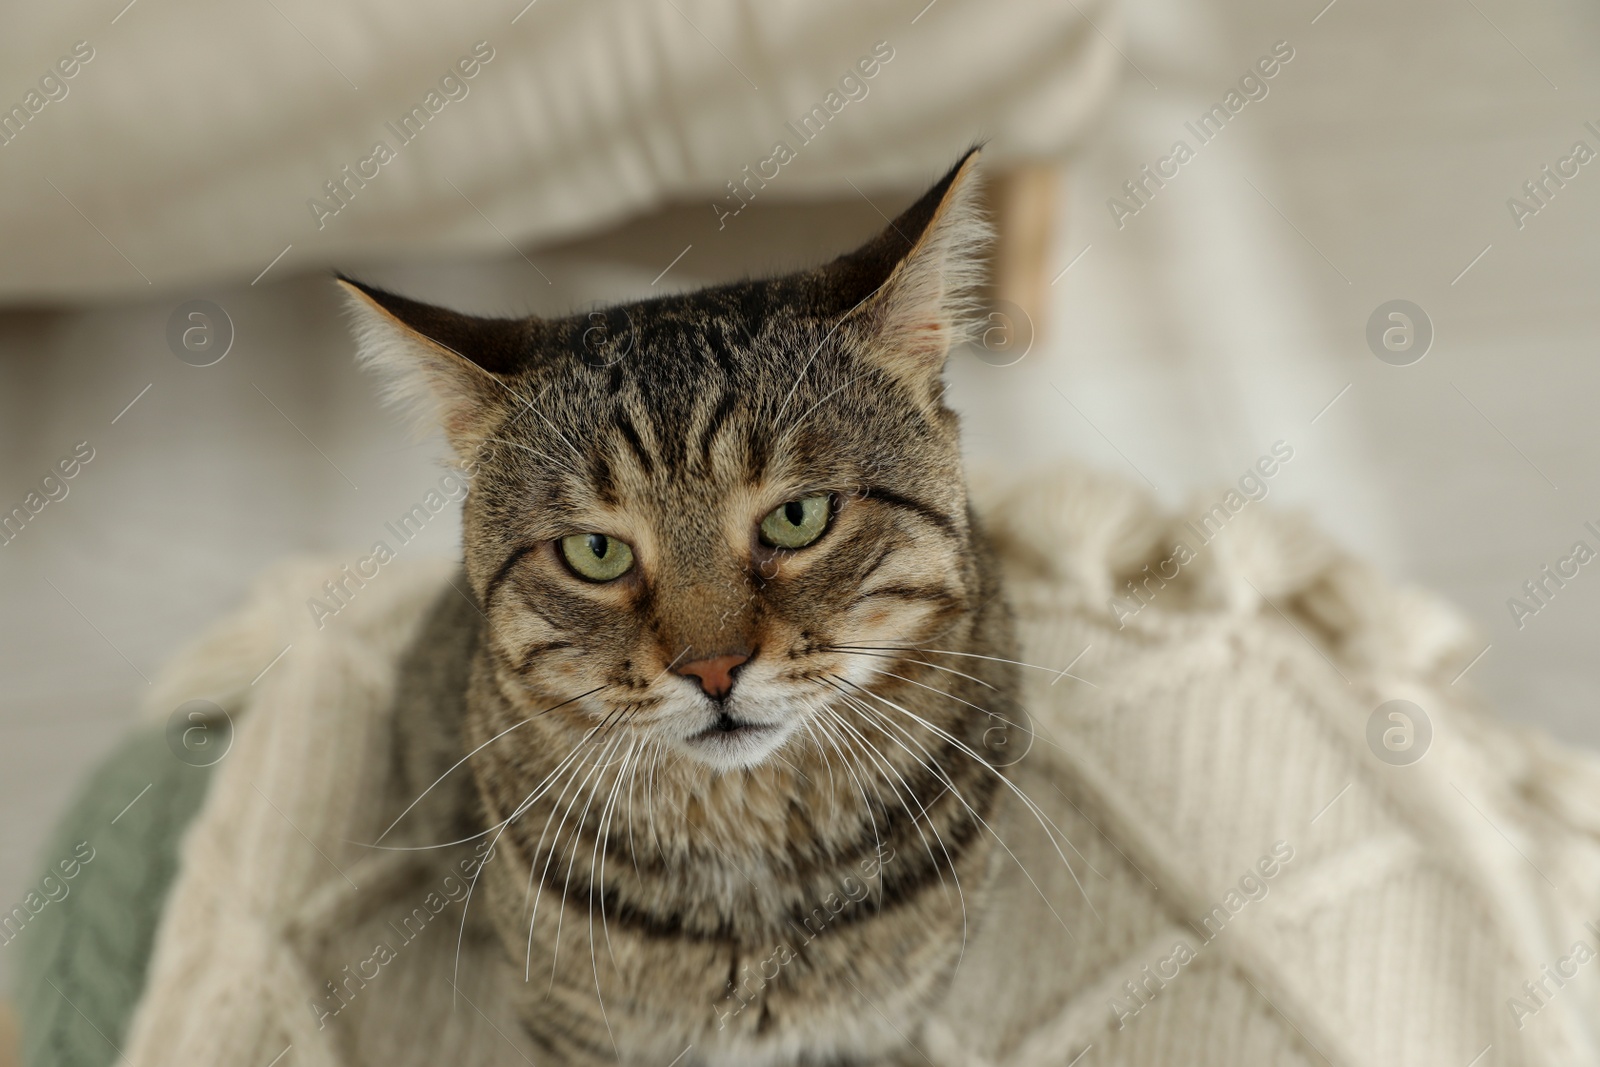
<point x="727" y="679"/>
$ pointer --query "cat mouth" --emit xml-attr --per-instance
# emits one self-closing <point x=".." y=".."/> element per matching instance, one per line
<point x="728" y="730"/>
<point x="731" y="743"/>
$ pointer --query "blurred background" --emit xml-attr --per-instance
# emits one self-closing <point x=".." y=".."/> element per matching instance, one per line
<point x="1171" y="340"/>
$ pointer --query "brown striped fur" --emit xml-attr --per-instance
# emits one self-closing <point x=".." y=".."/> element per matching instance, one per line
<point x="801" y="895"/>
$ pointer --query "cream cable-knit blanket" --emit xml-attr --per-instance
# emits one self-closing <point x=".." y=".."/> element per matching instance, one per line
<point x="1257" y="886"/>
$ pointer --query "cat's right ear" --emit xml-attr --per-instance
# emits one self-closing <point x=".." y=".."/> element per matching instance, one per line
<point x="913" y="287"/>
<point x="445" y="369"/>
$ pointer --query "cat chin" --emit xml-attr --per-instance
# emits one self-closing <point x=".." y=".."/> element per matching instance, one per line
<point x="740" y="750"/>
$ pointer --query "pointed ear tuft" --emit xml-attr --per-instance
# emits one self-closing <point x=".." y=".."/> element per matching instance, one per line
<point x="444" y="369"/>
<point x="920" y="279"/>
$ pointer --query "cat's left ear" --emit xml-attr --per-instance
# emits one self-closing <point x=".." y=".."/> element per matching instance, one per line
<point x="446" y="369"/>
<point x="931" y="264"/>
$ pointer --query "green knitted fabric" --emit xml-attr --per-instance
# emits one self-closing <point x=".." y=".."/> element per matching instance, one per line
<point x="81" y="959"/>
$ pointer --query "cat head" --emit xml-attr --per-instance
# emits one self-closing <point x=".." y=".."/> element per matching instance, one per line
<point x="682" y="509"/>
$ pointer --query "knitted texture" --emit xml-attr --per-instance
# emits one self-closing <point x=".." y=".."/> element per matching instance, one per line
<point x="81" y="960"/>
<point x="1216" y="867"/>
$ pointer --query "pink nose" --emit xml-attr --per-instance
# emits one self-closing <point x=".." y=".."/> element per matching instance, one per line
<point x="715" y="673"/>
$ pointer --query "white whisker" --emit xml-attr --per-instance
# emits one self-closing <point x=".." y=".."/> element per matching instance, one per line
<point x="480" y="748"/>
<point x="606" y="815"/>
<point x="577" y="828"/>
<point x="633" y="780"/>
<point x="466" y="904"/>
<point x="992" y="831"/>
<point x="1032" y="733"/>
<point x="533" y="859"/>
<point x="884" y="655"/>
<point x="849" y="764"/>
<point x="1033" y="808"/>
<point x="650" y="803"/>
<point x="827" y="764"/>
<point x="932" y="765"/>
<point x="973" y="655"/>
<point x="880" y="759"/>
<point x="599" y="838"/>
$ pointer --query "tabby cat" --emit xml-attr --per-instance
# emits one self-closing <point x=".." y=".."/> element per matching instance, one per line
<point x="733" y="679"/>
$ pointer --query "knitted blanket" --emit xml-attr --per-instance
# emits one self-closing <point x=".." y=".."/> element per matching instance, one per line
<point x="80" y="960"/>
<point x="1270" y="863"/>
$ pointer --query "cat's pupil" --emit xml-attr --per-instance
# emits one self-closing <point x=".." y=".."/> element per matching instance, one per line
<point x="598" y="543"/>
<point x="794" y="512"/>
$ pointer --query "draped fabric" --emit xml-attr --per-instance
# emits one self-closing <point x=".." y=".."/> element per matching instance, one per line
<point x="190" y="141"/>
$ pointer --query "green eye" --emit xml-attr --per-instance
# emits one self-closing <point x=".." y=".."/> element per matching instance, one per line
<point x="797" y="523"/>
<point x="597" y="557"/>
